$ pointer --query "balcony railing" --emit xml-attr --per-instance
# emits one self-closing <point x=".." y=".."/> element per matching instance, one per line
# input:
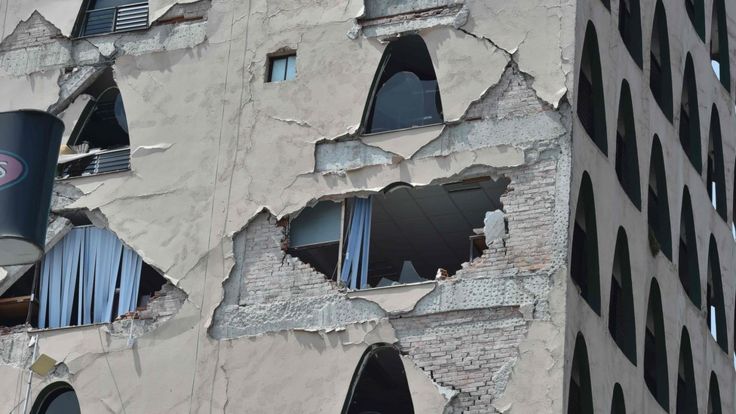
<point x="115" y="19"/>
<point x="94" y="163"/>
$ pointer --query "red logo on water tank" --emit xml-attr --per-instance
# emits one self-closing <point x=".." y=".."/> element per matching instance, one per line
<point x="12" y="169"/>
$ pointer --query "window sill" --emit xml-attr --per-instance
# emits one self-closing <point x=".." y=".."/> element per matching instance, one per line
<point x="393" y="131"/>
<point x="395" y="299"/>
<point x="66" y="328"/>
<point x="351" y="292"/>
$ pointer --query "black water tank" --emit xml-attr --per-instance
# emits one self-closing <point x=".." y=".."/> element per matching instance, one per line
<point x="29" y="150"/>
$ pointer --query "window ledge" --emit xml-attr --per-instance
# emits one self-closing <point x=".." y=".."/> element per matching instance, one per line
<point x="66" y="328"/>
<point x="393" y="131"/>
<point x="396" y="298"/>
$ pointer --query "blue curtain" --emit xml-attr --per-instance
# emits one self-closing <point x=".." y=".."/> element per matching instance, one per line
<point x="355" y="267"/>
<point x="96" y="260"/>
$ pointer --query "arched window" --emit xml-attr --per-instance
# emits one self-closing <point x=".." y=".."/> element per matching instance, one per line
<point x="714" y="396"/>
<point x="719" y="44"/>
<point x="580" y="398"/>
<point x="627" y="158"/>
<point x="591" y="105"/>
<point x="655" y="351"/>
<point x="658" y="209"/>
<point x="660" y="73"/>
<point x="629" y="26"/>
<point x="379" y="384"/>
<point x="687" y="397"/>
<point x="716" y="178"/>
<point x="689" y="116"/>
<point x="405" y="92"/>
<point x="716" y="306"/>
<point x="57" y="398"/>
<point x="688" y="252"/>
<point x="621" y="308"/>
<point x="696" y="13"/>
<point x="584" y="257"/>
<point x="618" y="405"/>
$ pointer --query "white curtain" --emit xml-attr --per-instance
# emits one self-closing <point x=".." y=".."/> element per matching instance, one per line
<point x="90" y="258"/>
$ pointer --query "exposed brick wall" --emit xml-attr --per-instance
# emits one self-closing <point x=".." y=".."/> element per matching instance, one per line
<point x="466" y="351"/>
<point x="268" y="274"/>
<point x="36" y="31"/>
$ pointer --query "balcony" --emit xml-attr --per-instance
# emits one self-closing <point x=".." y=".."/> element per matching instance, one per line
<point x="122" y="18"/>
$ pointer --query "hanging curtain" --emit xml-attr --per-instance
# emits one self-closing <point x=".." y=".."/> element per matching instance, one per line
<point x="91" y="262"/>
<point x="130" y="279"/>
<point x="355" y="266"/>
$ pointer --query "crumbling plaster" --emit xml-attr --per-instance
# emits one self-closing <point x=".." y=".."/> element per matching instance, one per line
<point x="235" y="145"/>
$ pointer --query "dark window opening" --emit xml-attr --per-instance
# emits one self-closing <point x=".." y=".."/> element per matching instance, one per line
<point x="407" y="234"/>
<point x="627" y="158"/>
<point x="57" y="398"/>
<point x="19" y="304"/>
<point x="719" y="44"/>
<point x="87" y="277"/>
<point x="99" y="142"/>
<point x="715" y="174"/>
<point x="607" y="4"/>
<point x="689" y="116"/>
<point x="629" y="26"/>
<point x="716" y="317"/>
<point x="591" y="104"/>
<point x="580" y="398"/>
<point x="584" y="257"/>
<point x="696" y="13"/>
<point x="617" y="404"/>
<point x="714" y="396"/>
<point x="621" y="308"/>
<point x="282" y="68"/>
<point x="405" y="92"/>
<point x="379" y="384"/>
<point x="688" y="252"/>
<point x="658" y="210"/>
<point x="687" y="397"/>
<point x="655" y="350"/>
<point x="99" y="17"/>
<point x="660" y="73"/>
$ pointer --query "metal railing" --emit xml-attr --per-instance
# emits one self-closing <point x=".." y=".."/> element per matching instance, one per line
<point x="103" y="162"/>
<point x="125" y="18"/>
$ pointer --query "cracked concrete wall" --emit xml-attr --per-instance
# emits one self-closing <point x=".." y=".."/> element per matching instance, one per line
<point x="229" y="145"/>
<point x="613" y="209"/>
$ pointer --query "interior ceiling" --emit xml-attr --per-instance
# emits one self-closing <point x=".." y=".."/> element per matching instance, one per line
<point x="430" y="226"/>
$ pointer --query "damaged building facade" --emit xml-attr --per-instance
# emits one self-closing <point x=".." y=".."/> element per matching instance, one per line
<point x="428" y="206"/>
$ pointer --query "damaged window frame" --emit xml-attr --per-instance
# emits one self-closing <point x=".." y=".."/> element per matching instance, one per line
<point x="429" y="119"/>
<point x="127" y="16"/>
<point x="144" y="282"/>
<point x="338" y="220"/>
<point x="106" y="109"/>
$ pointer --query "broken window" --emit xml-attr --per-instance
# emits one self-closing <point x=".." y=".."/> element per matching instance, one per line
<point x="379" y="384"/>
<point x="658" y="210"/>
<point x="715" y="175"/>
<point x="621" y="309"/>
<point x="401" y="235"/>
<point x="690" y="117"/>
<point x="19" y="304"/>
<point x="617" y="404"/>
<point x="57" y="398"/>
<point x="627" y="158"/>
<point x="405" y="92"/>
<point x="716" y="306"/>
<point x="688" y="252"/>
<point x="580" y="398"/>
<point x="655" y="350"/>
<point x="99" y="142"/>
<point x="584" y="256"/>
<point x="696" y="13"/>
<point x="100" y="17"/>
<point x="629" y="26"/>
<point x="660" y="73"/>
<point x="714" y="396"/>
<point x="88" y="277"/>
<point x="719" y="44"/>
<point x="687" y="397"/>
<point x="282" y="68"/>
<point x="591" y="105"/>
